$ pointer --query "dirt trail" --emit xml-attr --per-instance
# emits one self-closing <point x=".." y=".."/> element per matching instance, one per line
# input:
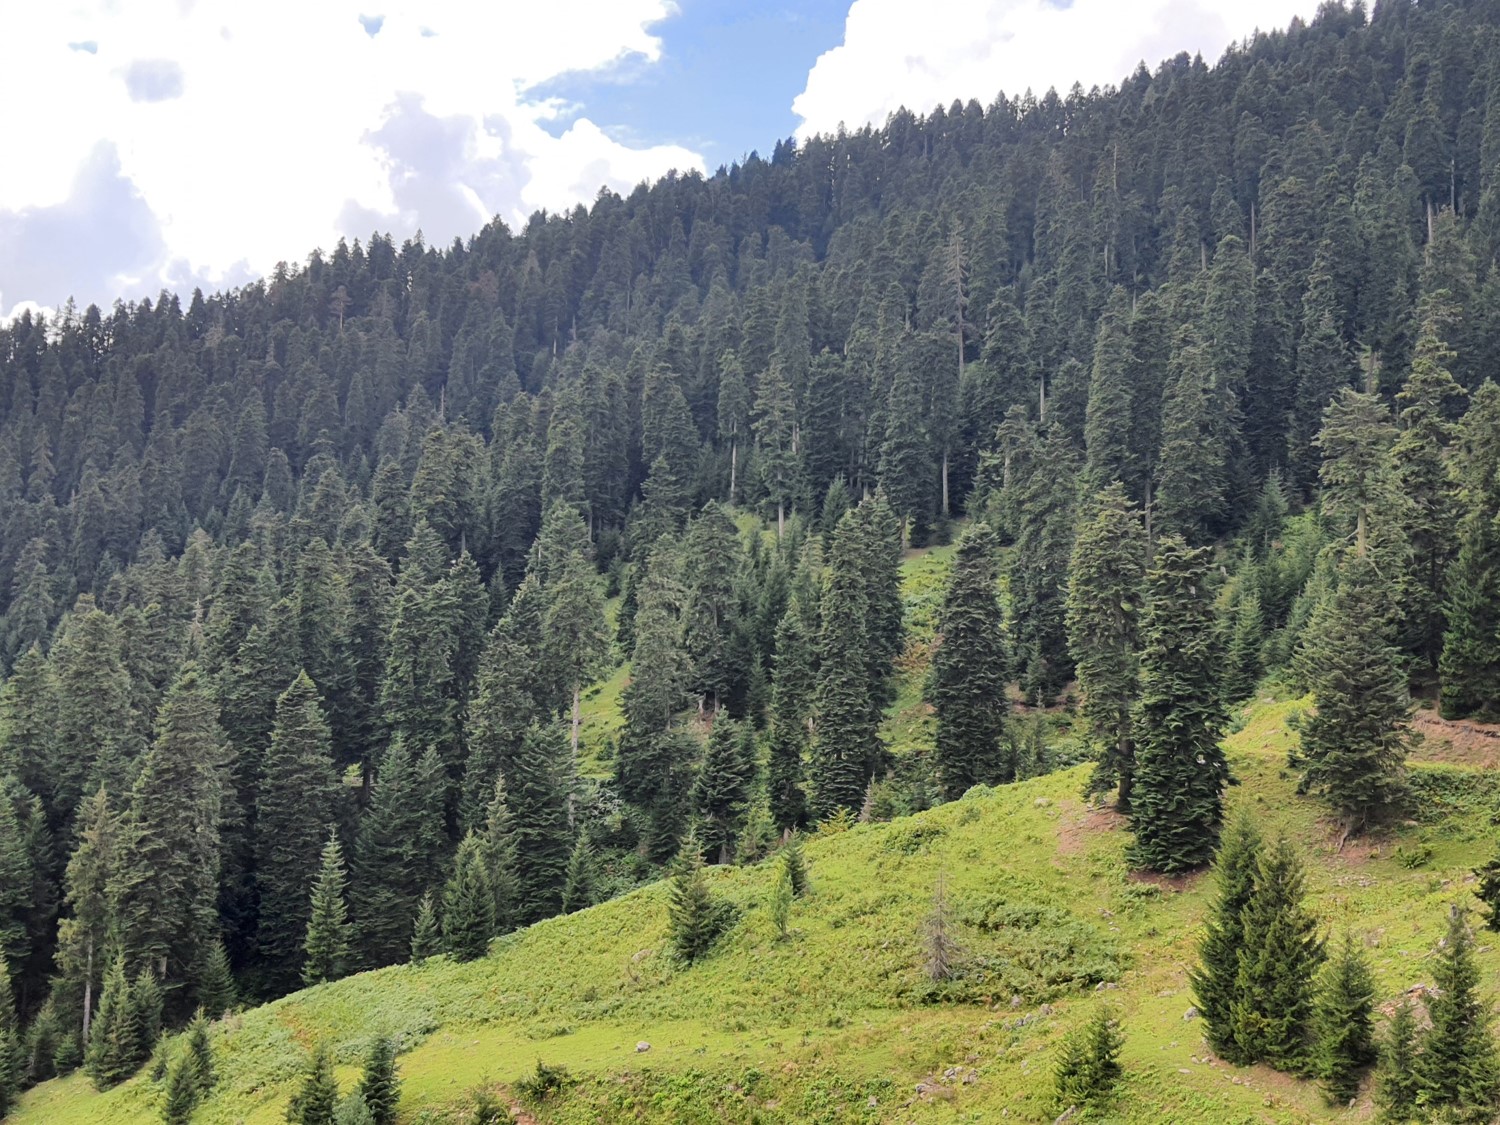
<point x="1460" y="742"/>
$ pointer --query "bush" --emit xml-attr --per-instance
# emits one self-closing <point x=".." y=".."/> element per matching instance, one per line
<point x="544" y="1082"/>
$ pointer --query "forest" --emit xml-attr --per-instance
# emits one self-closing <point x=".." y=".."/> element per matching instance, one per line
<point x="303" y="586"/>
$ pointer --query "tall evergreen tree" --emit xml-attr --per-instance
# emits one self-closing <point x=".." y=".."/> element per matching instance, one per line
<point x="1106" y="589"/>
<point x="326" y="945"/>
<point x="1044" y="495"/>
<point x="468" y="903"/>
<point x="721" y="796"/>
<point x="538" y="804"/>
<point x="1180" y="773"/>
<point x="1469" y="666"/>
<point x="967" y="681"/>
<point x="83" y="935"/>
<point x="1215" y="981"/>
<point x="845" y="721"/>
<point x="1458" y="1069"/>
<point x="1342" y="1019"/>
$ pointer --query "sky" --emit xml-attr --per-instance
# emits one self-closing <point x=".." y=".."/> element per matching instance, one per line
<point x="179" y="143"/>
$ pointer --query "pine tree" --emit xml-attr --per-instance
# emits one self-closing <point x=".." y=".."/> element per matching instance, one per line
<point x="1342" y="1019"/>
<point x="184" y="1091"/>
<point x="329" y="933"/>
<point x="1279" y="954"/>
<point x="791" y="706"/>
<point x="426" y="934"/>
<point x="114" y="1049"/>
<point x="1106" y="589"/>
<point x="578" y="888"/>
<point x="353" y="1110"/>
<point x="1457" y="1068"/>
<point x="315" y="1100"/>
<point x="201" y="1051"/>
<point x="1215" y="980"/>
<point x="695" y="917"/>
<point x="298" y="789"/>
<point x="576" y="636"/>
<point x="1107" y="428"/>
<point x="967" y="681"/>
<point x="82" y="936"/>
<point x="721" y="796"/>
<point x="10" y="1044"/>
<point x="217" y="993"/>
<point x="1356" y="741"/>
<point x="539" y="813"/>
<point x="1176" y="803"/>
<point x="845" y="722"/>
<point x="380" y="1084"/>
<point x="500" y="857"/>
<point x="1044" y="506"/>
<point x="468" y="904"/>
<point x="1397" y="1086"/>
<point x="1088" y="1064"/>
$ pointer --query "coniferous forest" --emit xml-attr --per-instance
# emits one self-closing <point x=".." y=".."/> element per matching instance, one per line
<point x="306" y="587"/>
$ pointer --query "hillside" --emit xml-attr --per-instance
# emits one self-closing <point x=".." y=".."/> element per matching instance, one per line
<point x="836" y="1024"/>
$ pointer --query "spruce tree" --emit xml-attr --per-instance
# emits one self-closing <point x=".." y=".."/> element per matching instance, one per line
<point x="316" y="1098"/>
<point x="380" y="1084"/>
<point x="184" y="1091"/>
<point x="967" y="682"/>
<point x="791" y="706"/>
<point x="1088" y="1065"/>
<point x="82" y="936"/>
<point x="1044" y="525"/>
<point x="1280" y="952"/>
<point x="426" y="934"/>
<point x="711" y="552"/>
<point x="1342" y="1020"/>
<point x="11" y="1055"/>
<point x="721" y="796"/>
<point x="578" y="888"/>
<point x="217" y="992"/>
<point x="845" y="722"/>
<point x="468" y="904"/>
<point x="353" y="1110"/>
<point x="1215" y="980"/>
<point x="1106" y="589"/>
<point x="326" y="944"/>
<point x="1356" y="742"/>
<point x="114" y="1051"/>
<point x="695" y="918"/>
<point x="1177" y="799"/>
<point x="1397" y="1086"/>
<point x="298" y="789"/>
<point x="1457" y="1069"/>
<point x="201" y="1051"/>
<point x="500" y="857"/>
<point x="539" y="813"/>
<point x="795" y="865"/>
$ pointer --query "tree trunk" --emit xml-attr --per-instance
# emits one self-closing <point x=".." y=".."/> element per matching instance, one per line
<point x="88" y="992"/>
<point x="734" y="464"/>
<point x="945" y="482"/>
<point x="577" y="716"/>
<point x="780" y="518"/>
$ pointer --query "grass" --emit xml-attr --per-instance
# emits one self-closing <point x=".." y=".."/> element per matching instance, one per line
<point x="840" y="1023"/>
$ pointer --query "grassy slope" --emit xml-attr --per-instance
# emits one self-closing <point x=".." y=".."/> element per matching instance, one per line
<point x="833" y="1025"/>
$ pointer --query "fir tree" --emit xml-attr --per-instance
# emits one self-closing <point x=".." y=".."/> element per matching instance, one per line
<point x="1088" y="1064"/>
<point x="295" y="809"/>
<point x="380" y="1084"/>
<point x="10" y="1044"/>
<point x="201" y="1051"/>
<point x="791" y="707"/>
<point x="82" y="936"/>
<point x="539" y="813"/>
<point x="1342" y="1019"/>
<point x="500" y="857"/>
<point x="1215" y="981"/>
<point x="1044" y="499"/>
<point x="1457" y="1068"/>
<point x="1105" y="595"/>
<point x="426" y="934"/>
<point x="1397" y="1086"/>
<point x="721" y="796"/>
<point x="468" y="904"/>
<point x="184" y="1091"/>
<point x="695" y="917"/>
<point x="1279" y="954"/>
<point x="217" y="993"/>
<point x="967" y="681"/>
<point x="578" y="888"/>
<point x="329" y="933"/>
<point x="315" y="1100"/>
<point x="114" y="1050"/>
<point x="1176" y="803"/>
<point x="845" y="721"/>
<point x="795" y="864"/>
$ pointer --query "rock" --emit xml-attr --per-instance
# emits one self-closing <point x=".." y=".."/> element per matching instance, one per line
<point x="873" y="1102"/>
<point x="1041" y="802"/>
<point x="642" y="1047"/>
<point x="1015" y="1001"/>
<point x="1046" y="1009"/>
<point x="1190" y="1014"/>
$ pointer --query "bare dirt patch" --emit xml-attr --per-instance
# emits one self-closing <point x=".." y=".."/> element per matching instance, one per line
<point x="1077" y="824"/>
<point x="1459" y="742"/>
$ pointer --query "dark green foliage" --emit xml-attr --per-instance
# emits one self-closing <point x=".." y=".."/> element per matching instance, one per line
<point x="11" y="1056"/>
<point x="315" y="1099"/>
<point x="1279" y="953"/>
<point x="967" y="684"/>
<point x="795" y="865"/>
<point x="1088" y="1062"/>
<point x="539" y="814"/>
<point x="1106" y="590"/>
<point x="1215" y="980"/>
<point x="578" y="888"/>
<point x="116" y="1045"/>
<point x="353" y="1110"/>
<point x="184" y="1091"/>
<point x="1344" y="1047"/>
<point x="1488" y="891"/>
<point x="721" y="796"/>
<point x="1176" y="803"/>
<point x="1457" y="1068"/>
<point x="380" y="1084"/>
<point x="329" y="933"/>
<point x="695" y="917"/>
<point x="426" y="934"/>
<point x="542" y="1083"/>
<point x="1469" y="666"/>
<point x="1044" y="505"/>
<point x="468" y="904"/>
<point x="1397" y="1086"/>
<point x="791" y="707"/>
<point x="201" y="1051"/>
<point x="217" y="992"/>
<point x="296" y="807"/>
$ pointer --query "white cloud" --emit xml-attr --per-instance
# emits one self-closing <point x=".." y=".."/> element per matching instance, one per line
<point x="253" y="133"/>
<point x="896" y="53"/>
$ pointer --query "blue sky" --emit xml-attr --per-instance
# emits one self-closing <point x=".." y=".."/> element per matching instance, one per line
<point x="181" y="143"/>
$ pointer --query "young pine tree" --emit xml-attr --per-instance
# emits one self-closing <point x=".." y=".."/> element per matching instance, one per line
<point x="114" y="1049"/>
<point x="426" y="934"/>
<point x="967" y="683"/>
<point x="1177" y="799"/>
<point x="184" y="1091"/>
<point x="468" y="904"/>
<point x="318" y="1096"/>
<point x="795" y="864"/>
<point x="781" y="902"/>
<point x="380" y="1084"/>
<point x="578" y="889"/>
<point x="1457" y="1067"/>
<point x="201" y="1050"/>
<point x="329" y="932"/>
<point x="694" y="917"/>
<point x="353" y="1110"/>
<point x="1088" y="1065"/>
<point x="217" y="993"/>
<point x="1397" y="1087"/>
<point x="1342" y="1020"/>
<point x="721" y="796"/>
<point x="1215" y="980"/>
<point x="1279" y="955"/>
